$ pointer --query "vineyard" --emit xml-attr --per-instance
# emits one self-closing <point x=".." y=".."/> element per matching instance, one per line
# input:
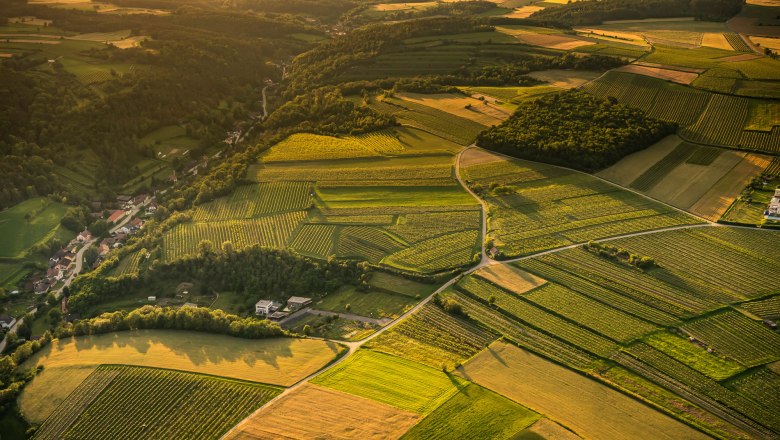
<point x="132" y="402"/>
<point x="271" y="231"/>
<point x="738" y="263"/>
<point x="696" y="357"/>
<point x="704" y="156"/>
<point x="304" y="146"/>
<point x="709" y="392"/>
<point x="371" y="244"/>
<point x="129" y="264"/>
<point x="593" y="289"/>
<point x="737" y="42"/>
<point x="732" y="334"/>
<point x="584" y="311"/>
<point x="256" y="200"/>
<point x="437" y="254"/>
<point x="392" y="380"/>
<point x="542" y="213"/>
<point x="721" y="123"/>
<point x="437" y="170"/>
<point x="433" y="337"/>
<point x="768" y="308"/>
<point x="762" y="385"/>
<point x="316" y="240"/>
<point x="547" y="322"/>
<point x="418" y="227"/>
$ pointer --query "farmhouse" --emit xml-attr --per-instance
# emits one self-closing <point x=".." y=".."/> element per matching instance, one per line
<point x="265" y="307"/>
<point x="297" y="303"/>
<point x="773" y="210"/>
<point x="84" y="236"/>
<point x="116" y="216"/>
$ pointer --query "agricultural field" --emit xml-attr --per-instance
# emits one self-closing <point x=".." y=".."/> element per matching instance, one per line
<point x="535" y="207"/>
<point x="281" y="361"/>
<point x="312" y="410"/>
<point x="587" y="407"/>
<point x="374" y="303"/>
<point x="433" y="337"/>
<point x="482" y="112"/>
<point x="340" y="327"/>
<point x="767" y="308"/>
<point x="126" y="402"/>
<point x="702" y="180"/>
<point x="464" y="415"/>
<point x="714" y="119"/>
<point x="404" y="384"/>
<point x="695" y="356"/>
<point x="169" y="142"/>
<point x="544" y="37"/>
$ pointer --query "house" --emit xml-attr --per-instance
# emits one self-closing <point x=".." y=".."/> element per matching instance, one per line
<point x="123" y="199"/>
<point x="152" y="298"/>
<point x="493" y="252"/>
<point x="140" y="199"/>
<point x="66" y="261"/>
<point x="55" y="273"/>
<point x="278" y="316"/>
<point x="265" y="307"/>
<point x="116" y="216"/>
<point x="124" y="230"/>
<point x="152" y="208"/>
<point x="7" y="321"/>
<point x="297" y="303"/>
<point x="105" y="245"/>
<point x="84" y="236"/>
<point x="773" y="210"/>
<point x="41" y="288"/>
<point x="136" y="223"/>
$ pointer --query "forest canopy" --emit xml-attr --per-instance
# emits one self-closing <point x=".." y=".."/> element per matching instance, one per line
<point x="576" y="130"/>
<point x="597" y="12"/>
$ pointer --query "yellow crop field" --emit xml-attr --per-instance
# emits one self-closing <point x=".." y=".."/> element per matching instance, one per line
<point x="469" y="108"/>
<point x="590" y="409"/>
<point x="310" y="411"/>
<point x="510" y="278"/>
<point x="565" y="79"/>
<point x="676" y="76"/>
<point x="49" y="389"/>
<point x="278" y="361"/>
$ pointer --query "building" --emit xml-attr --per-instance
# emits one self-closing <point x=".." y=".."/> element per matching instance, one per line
<point x="297" y="303"/>
<point x="278" y="316"/>
<point x="7" y="321"/>
<point x="54" y="273"/>
<point x="136" y="223"/>
<point x="84" y="236"/>
<point x="773" y="210"/>
<point x="265" y="307"/>
<point x="116" y="216"/>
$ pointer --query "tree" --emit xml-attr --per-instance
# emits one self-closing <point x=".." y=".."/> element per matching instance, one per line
<point x="205" y="248"/>
<point x="307" y="330"/>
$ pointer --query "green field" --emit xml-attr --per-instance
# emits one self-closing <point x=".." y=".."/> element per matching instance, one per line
<point x="388" y="379"/>
<point x="696" y="357"/>
<point x="33" y="221"/>
<point x="374" y="304"/>
<point x="466" y="414"/>
<point x="433" y="337"/>
<point x="127" y="402"/>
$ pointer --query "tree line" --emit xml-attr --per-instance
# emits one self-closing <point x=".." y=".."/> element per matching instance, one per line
<point x="597" y="12"/>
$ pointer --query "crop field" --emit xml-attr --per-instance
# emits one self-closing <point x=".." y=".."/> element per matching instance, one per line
<point x="280" y="361"/>
<point x="448" y="126"/>
<point x="271" y="231"/>
<point x="655" y="173"/>
<point x="536" y="317"/>
<point x="742" y="412"/>
<point x="696" y="357"/>
<point x="433" y="337"/>
<point x="28" y="223"/>
<point x="303" y="146"/>
<point x="129" y="264"/>
<point x="738" y="337"/>
<point x="375" y="303"/>
<point x="767" y="308"/>
<point x="404" y="384"/>
<point x="738" y="263"/>
<point x="311" y="410"/>
<point x="464" y="416"/>
<point x="127" y="402"/>
<point x="349" y="197"/>
<point x="721" y="123"/>
<point x="51" y="387"/>
<point x="437" y="254"/>
<point x="255" y="200"/>
<point x="543" y="209"/>
<point x="568" y="397"/>
<point x="314" y="240"/>
<point x="472" y="109"/>
<point x="510" y="278"/>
